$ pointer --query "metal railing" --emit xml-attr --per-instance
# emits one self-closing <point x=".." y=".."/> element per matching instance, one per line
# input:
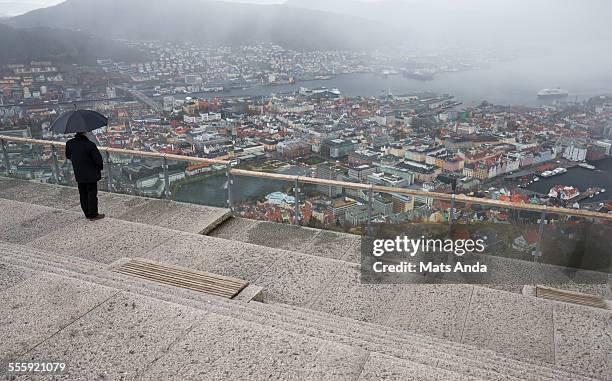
<point x="296" y="180"/>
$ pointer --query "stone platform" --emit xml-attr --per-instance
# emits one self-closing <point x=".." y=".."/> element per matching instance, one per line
<point x="61" y="301"/>
<point x="168" y="214"/>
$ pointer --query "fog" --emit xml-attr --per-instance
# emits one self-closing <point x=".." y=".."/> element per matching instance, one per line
<point x="509" y="22"/>
<point x="512" y="23"/>
<point x="568" y="40"/>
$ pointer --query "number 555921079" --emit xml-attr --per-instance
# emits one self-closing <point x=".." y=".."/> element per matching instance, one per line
<point x="35" y="367"/>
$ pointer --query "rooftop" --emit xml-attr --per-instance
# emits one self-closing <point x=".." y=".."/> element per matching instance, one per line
<point x="305" y="315"/>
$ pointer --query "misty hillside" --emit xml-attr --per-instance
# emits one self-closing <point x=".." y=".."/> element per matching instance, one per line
<point x="211" y="22"/>
<point x="20" y="45"/>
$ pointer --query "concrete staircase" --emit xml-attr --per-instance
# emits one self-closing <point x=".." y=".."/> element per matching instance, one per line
<point x="434" y="357"/>
<point x="318" y="322"/>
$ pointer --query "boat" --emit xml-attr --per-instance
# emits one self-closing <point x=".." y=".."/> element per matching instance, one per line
<point x="554" y="172"/>
<point x="552" y="93"/>
<point x="418" y="75"/>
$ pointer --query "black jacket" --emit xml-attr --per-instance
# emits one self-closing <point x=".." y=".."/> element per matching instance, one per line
<point x="86" y="159"/>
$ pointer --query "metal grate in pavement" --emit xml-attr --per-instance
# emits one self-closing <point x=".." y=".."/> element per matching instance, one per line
<point x="570" y="297"/>
<point x="213" y="284"/>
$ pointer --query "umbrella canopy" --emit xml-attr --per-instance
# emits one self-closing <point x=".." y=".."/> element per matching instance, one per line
<point x="78" y="121"/>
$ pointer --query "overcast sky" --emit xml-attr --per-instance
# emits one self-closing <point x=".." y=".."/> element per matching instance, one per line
<point x="521" y="22"/>
<point x="16" y="7"/>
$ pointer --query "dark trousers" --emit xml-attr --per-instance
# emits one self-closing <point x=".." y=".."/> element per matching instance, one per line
<point x="88" y="193"/>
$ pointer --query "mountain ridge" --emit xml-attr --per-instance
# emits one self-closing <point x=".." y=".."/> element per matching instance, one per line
<point x="212" y="22"/>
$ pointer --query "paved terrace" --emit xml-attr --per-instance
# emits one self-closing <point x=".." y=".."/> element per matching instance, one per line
<point x="62" y="302"/>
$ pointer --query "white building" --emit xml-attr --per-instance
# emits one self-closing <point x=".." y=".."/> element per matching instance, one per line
<point x="110" y="92"/>
<point x="361" y="172"/>
<point x="604" y="146"/>
<point x="575" y="152"/>
<point x="280" y="199"/>
<point x="168" y="104"/>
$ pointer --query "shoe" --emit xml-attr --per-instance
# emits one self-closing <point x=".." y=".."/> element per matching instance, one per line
<point x="98" y="217"/>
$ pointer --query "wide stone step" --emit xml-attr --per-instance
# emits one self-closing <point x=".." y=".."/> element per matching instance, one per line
<point x="320" y="243"/>
<point x="162" y="213"/>
<point x="356" y="334"/>
<point x="110" y="239"/>
<point x="450" y="354"/>
<point x="93" y="272"/>
<point x="101" y="331"/>
<point x="232" y="309"/>
<point x="482" y="363"/>
<point x="209" y="303"/>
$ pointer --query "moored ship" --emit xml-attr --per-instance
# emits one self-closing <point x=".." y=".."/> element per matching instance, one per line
<point x="554" y="172"/>
<point x="418" y="75"/>
<point x="557" y="93"/>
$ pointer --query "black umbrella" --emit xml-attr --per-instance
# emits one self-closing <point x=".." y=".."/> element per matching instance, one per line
<point x="78" y="121"/>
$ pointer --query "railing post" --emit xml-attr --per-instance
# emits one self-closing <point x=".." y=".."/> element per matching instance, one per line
<point x="296" y="195"/>
<point x="538" y="251"/>
<point x="7" y="163"/>
<point x="166" y="178"/>
<point x="56" y="170"/>
<point x="369" y="222"/>
<point x="109" y="171"/>
<point x="450" y="215"/>
<point x="230" y="182"/>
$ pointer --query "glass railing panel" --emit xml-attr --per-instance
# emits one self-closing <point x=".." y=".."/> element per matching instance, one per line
<point x="13" y="153"/>
<point x="134" y="175"/>
<point x="329" y="207"/>
<point x="30" y="162"/>
<point x="414" y="215"/>
<point x="509" y="237"/>
<point x="4" y="158"/>
<point x="408" y="231"/>
<point x="576" y="253"/>
<point x="263" y="199"/>
<point x="198" y="183"/>
<point x="64" y="169"/>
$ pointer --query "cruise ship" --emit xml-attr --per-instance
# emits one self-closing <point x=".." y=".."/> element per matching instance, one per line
<point x="552" y="93"/>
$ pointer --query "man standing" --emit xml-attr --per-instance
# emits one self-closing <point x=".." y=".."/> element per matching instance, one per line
<point x="87" y="164"/>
